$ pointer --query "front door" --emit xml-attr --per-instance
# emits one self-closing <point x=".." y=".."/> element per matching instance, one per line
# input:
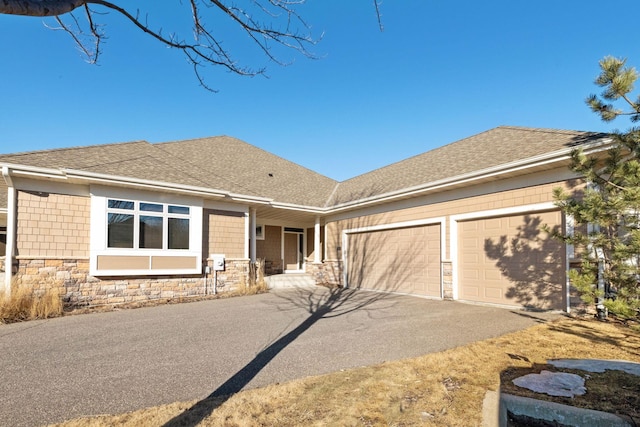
<point x="293" y="257"/>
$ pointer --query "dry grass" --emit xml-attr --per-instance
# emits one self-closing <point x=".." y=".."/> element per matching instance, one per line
<point x="441" y="389"/>
<point x="23" y="304"/>
<point x="609" y="391"/>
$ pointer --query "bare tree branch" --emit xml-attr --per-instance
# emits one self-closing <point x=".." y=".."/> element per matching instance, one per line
<point x="376" y="5"/>
<point x="271" y="25"/>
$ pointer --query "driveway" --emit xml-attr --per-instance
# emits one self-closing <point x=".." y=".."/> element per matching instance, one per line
<point x="59" y="369"/>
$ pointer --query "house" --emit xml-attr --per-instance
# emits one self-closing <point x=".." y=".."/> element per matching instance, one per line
<point x="134" y="221"/>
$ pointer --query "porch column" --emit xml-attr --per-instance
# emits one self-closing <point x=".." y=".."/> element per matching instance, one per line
<point x="11" y="230"/>
<point x="252" y="234"/>
<point x="317" y="250"/>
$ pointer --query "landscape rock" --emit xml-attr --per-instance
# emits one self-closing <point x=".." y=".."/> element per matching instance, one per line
<point x="553" y="383"/>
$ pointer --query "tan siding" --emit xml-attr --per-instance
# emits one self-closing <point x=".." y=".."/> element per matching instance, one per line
<point x="505" y="199"/>
<point x="226" y="231"/>
<point x="269" y="249"/>
<point x="53" y="225"/>
<point x="173" y="262"/>
<point x="115" y="262"/>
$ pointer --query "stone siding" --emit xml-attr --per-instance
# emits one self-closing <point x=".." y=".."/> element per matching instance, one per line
<point x="447" y="280"/>
<point x="329" y="273"/>
<point x="71" y="277"/>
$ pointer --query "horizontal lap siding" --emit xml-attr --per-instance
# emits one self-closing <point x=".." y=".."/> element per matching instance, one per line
<point x="403" y="260"/>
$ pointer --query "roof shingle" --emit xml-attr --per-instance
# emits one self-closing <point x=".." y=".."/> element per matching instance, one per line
<point x="229" y="164"/>
<point x="495" y="147"/>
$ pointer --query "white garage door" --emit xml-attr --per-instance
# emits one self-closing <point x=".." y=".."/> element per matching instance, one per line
<point x="510" y="260"/>
<point x="397" y="260"/>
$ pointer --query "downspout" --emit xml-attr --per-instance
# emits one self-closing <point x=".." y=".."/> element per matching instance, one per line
<point x="569" y="255"/>
<point x="11" y="229"/>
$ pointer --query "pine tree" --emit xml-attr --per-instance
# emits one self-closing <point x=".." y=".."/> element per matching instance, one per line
<point x="607" y="212"/>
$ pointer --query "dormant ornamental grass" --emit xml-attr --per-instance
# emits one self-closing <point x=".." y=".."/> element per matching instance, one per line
<point x="22" y="303"/>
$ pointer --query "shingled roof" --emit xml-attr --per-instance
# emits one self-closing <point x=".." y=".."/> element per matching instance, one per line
<point x="138" y="160"/>
<point x="262" y="172"/>
<point x="495" y="147"/>
<point x="231" y="165"/>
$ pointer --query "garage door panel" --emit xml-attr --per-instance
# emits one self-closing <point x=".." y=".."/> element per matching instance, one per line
<point x="471" y="292"/>
<point x="470" y="243"/>
<point x="402" y="260"/>
<point x="513" y="262"/>
<point x="495" y="293"/>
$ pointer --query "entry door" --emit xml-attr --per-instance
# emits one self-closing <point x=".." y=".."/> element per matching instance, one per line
<point x="293" y="251"/>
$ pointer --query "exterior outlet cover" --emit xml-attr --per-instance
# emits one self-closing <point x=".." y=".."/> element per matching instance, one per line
<point x="218" y="262"/>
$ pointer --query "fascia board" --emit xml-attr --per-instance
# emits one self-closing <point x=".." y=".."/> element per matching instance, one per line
<point x="143" y="183"/>
<point x="35" y="171"/>
<point x="302" y="208"/>
<point x="250" y="199"/>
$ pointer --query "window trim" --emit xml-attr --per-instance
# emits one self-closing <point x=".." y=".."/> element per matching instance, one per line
<point x="138" y="212"/>
<point x="100" y="210"/>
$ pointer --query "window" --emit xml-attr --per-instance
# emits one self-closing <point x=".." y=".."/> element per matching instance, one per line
<point x="143" y="225"/>
<point x="3" y="241"/>
<point x="259" y="231"/>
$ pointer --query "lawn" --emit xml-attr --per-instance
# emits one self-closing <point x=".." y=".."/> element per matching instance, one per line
<point x="440" y="389"/>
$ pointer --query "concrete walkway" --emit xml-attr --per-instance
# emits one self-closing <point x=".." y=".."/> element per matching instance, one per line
<point x="59" y="369"/>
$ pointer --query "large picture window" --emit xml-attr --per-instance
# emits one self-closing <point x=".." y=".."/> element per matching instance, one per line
<point x="142" y="225"/>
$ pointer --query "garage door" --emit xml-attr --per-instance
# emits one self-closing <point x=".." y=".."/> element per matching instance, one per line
<point x="510" y="260"/>
<point x="397" y="260"/>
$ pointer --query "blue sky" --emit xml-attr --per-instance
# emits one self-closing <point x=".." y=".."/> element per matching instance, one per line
<point x="439" y="72"/>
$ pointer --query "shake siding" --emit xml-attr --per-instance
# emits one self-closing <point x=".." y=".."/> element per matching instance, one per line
<point x="53" y="225"/>
<point x="504" y="199"/>
<point x="269" y="248"/>
<point x="226" y="233"/>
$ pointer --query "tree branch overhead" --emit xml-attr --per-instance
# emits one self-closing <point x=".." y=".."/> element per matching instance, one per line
<point x="271" y="26"/>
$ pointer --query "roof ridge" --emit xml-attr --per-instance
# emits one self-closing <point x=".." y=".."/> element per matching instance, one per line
<point x="546" y="130"/>
<point x="74" y="147"/>
<point x="327" y="203"/>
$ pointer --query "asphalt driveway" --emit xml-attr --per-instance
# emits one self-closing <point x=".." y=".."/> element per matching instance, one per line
<point x="120" y="361"/>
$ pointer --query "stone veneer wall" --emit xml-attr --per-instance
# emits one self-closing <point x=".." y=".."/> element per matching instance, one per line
<point x="329" y="273"/>
<point x="447" y="280"/>
<point x="78" y="288"/>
